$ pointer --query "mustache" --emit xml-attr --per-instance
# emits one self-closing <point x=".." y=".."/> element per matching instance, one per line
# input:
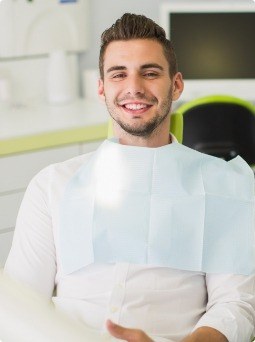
<point x="149" y="99"/>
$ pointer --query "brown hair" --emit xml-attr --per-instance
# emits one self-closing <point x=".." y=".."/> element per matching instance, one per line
<point x="134" y="26"/>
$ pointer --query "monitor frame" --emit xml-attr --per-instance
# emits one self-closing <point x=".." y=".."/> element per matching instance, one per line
<point x="242" y="88"/>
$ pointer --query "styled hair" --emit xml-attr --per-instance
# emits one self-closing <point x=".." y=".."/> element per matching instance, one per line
<point x="134" y="26"/>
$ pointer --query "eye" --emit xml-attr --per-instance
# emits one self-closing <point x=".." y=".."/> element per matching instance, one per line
<point x="150" y="74"/>
<point x="118" y="76"/>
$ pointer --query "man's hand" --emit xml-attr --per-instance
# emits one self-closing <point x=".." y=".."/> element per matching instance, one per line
<point x="126" y="334"/>
<point x="205" y="334"/>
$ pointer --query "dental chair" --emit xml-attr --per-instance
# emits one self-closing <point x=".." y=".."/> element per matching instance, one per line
<point x="222" y="126"/>
<point x="27" y="316"/>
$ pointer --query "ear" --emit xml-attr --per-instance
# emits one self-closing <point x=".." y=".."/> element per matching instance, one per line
<point x="178" y="86"/>
<point x="101" y="90"/>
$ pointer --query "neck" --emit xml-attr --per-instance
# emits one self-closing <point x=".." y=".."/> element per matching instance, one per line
<point x="159" y="137"/>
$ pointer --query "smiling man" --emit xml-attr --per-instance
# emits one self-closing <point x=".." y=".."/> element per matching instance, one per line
<point x="144" y="239"/>
<point x="138" y="90"/>
<point x="139" y="81"/>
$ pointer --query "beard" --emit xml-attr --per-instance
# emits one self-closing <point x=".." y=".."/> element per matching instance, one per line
<point x="141" y="129"/>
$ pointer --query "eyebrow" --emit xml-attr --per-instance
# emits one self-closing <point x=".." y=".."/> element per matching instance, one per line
<point x="116" y="68"/>
<point x="152" y="65"/>
<point x="144" y="66"/>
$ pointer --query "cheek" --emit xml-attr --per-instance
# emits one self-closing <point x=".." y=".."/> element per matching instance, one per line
<point x="161" y="88"/>
<point x="113" y="92"/>
<point x="110" y="95"/>
<point x="162" y="93"/>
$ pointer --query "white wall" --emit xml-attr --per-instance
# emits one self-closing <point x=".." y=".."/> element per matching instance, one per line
<point x="105" y="12"/>
<point x="27" y="82"/>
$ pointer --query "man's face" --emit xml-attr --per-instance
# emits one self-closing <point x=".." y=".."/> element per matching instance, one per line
<point x="137" y="87"/>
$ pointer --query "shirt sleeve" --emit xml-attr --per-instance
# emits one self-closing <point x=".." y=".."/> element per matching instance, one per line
<point x="31" y="260"/>
<point x="231" y="306"/>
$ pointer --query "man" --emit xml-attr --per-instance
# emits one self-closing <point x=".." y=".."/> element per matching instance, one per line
<point x="116" y="232"/>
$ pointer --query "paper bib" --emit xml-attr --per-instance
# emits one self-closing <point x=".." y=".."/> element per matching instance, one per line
<point x="169" y="206"/>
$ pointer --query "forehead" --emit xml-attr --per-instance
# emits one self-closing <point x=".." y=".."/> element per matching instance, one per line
<point x="134" y="52"/>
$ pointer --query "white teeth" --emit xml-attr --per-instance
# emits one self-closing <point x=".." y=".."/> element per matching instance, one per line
<point x="134" y="106"/>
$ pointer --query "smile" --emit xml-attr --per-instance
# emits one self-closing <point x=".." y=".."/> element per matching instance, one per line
<point x="135" y="106"/>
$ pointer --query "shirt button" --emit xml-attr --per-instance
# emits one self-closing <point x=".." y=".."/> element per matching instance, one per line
<point x="114" y="309"/>
<point x="121" y="285"/>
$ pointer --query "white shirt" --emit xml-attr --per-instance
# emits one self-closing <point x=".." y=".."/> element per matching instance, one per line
<point x="167" y="304"/>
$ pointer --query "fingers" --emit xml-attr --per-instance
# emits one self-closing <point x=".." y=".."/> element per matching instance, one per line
<point x="126" y="334"/>
<point x="119" y="331"/>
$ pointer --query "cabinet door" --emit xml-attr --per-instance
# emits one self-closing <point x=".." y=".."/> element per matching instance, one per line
<point x="90" y="147"/>
<point x="5" y="245"/>
<point x="9" y="207"/>
<point x="16" y="171"/>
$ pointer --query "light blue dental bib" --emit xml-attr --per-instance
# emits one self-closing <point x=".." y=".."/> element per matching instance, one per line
<point x="169" y="206"/>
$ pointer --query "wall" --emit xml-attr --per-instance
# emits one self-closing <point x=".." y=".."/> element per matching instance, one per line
<point x="104" y="13"/>
<point x="28" y="79"/>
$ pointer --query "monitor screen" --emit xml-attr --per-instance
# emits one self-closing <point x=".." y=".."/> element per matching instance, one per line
<point x="214" y="45"/>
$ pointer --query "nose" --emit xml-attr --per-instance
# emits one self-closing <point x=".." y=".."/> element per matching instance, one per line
<point x="135" y="85"/>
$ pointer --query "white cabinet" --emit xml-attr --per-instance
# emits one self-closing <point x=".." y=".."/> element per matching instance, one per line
<point x="9" y="206"/>
<point x="17" y="170"/>
<point x="15" y="173"/>
<point x="89" y="147"/>
<point x="5" y="244"/>
<point x="39" y="27"/>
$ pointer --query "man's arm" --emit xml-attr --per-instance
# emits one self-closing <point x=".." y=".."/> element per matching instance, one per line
<point x="231" y="306"/>
<point x="31" y="260"/>
<point x="206" y="334"/>
<point x="229" y="317"/>
<point x="203" y="334"/>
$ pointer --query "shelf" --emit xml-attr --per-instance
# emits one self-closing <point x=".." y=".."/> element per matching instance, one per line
<point x="38" y="126"/>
